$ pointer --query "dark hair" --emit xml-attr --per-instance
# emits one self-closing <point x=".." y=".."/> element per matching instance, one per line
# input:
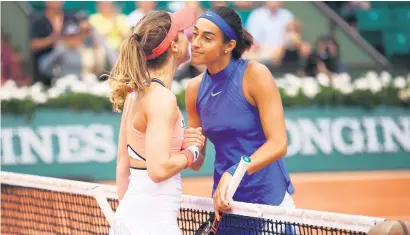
<point x="327" y="38"/>
<point x="130" y="72"/>
<point x="245" y="39"/>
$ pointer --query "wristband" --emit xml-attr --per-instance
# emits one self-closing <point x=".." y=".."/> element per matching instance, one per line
<point x="192" y="154"/>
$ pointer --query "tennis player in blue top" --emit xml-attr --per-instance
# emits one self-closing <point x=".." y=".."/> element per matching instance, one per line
<point x="238" y="106"/>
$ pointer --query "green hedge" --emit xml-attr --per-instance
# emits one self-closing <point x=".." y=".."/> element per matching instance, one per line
<point x="326" y="97"/>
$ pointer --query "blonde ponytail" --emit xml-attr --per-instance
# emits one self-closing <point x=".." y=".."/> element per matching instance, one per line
<point x="129" y="73"/>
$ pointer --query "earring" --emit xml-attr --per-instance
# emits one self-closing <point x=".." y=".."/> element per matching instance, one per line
<point x="226" y="52"/>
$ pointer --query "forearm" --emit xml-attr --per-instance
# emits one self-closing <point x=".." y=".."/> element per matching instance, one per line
<point x="277" y="55"/>
<point x="176" y="163"/>
<point x="264" y="156"/>
<point x="172" y="166"/>
<point x="122" y="177"/>
<point x="50" y="61"/>
<point x="40" y="43"/>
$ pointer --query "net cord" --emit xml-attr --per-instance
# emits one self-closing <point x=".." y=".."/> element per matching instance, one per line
<point x="300" y="216"/>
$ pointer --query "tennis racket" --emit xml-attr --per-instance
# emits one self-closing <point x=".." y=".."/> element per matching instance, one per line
<point x="210" y="227"/>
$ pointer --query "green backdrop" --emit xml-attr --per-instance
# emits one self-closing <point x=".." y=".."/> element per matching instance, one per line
<point x="63" y="143"/>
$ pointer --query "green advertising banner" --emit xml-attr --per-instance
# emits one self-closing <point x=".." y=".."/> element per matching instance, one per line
<point x="83" y="145"/>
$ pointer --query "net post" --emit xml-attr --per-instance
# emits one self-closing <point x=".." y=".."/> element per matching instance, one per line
<point x="102" y="201"/>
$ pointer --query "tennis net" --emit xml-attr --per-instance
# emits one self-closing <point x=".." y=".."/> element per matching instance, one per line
<point x="43" y="205"/>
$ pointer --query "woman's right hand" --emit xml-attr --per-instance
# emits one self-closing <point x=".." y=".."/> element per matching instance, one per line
<point x="193" y="136"/>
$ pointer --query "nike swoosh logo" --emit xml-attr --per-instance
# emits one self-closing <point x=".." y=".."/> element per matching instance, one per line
<point x="215" y="94"/>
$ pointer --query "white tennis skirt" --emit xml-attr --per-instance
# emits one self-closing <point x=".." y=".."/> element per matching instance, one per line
<point x="147" y="207"/>
<point x="288" y="202"/>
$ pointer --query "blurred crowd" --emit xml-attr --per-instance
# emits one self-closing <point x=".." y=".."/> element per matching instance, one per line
<point x="65" y="42"/>
<point x="12" y="64"/>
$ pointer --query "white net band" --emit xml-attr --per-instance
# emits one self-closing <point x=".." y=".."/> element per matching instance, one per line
<point x="298" y="216"/>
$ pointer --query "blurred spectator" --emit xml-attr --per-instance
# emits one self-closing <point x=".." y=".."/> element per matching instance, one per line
<point x="111" y="24"/>
<point x="197" y="8"/>
<point x="349" y="9"/>
<point x="325" y="58"/>
<point x="96" y="55"/>
<point x="93" y="39"/>
<point x="45" y="32"/>
<point x="72" y="57"/>
<point x="243" y="4"/>
<point x="268" y="27"/>
<point x="12" y="64"/>
<point x="218" y="4"/>
<point x="141" y="9"/>
<point x="6" y="59"/>
<point x="244" y="9"/>
<point x="294" y="50"/>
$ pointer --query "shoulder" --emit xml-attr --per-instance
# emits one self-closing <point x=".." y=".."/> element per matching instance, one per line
<point x="160" y="100"/>
<point x="95" y="17"/>
<point x="285" y="13"/>
<point x="258" y="77"/>
<point x="256" y="69"/>
<point x="161" y="95"/>
<point x="259" y="11"/>
<point x="194" y="84"/>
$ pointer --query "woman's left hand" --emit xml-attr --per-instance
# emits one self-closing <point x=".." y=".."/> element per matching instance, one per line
<point x="221" y="203"/>
<point x="193" y="136"/>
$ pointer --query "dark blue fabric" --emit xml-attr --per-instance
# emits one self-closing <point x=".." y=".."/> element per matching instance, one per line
<point x="234" y="127"/>
<point x="245" y="225"/>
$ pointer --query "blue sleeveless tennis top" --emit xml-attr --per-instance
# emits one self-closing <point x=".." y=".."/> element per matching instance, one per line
<point x="233" y="125"/>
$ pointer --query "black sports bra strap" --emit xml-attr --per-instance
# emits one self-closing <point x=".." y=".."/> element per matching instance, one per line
<point x="158" y="81"/>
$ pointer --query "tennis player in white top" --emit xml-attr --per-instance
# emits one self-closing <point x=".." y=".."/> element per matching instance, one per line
<point x="154" y="146"/>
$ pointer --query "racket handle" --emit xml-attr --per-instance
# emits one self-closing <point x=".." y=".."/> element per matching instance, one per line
<point x="237" y="177"/>
<point x="232" y="187"/>
<point x="215" y="226"/>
